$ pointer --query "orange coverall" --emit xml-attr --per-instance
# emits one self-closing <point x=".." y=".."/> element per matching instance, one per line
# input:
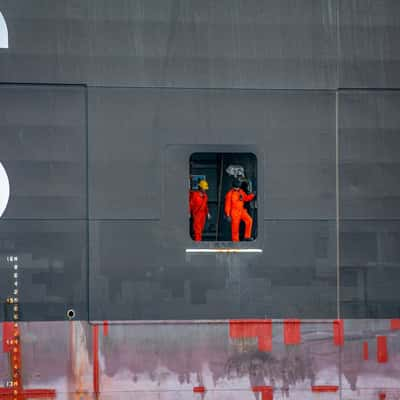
<point x="198" y="204"/>
<point x="234" y="208"/>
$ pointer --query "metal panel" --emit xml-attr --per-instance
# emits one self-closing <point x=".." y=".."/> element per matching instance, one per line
<point x="43" y="149"/>
<point x="52" y="267"/>
<point x="369" y="203"/>
<point x="139" y="271"/>
<point x="130" y="130"/>
<point x="369" y="124"/>
<point x="268" y="44"/>
<point x="48" y="41"/>
<point x="370" y="261"/>
<point x="124" y="154"/>
<point x="369" y="43"/>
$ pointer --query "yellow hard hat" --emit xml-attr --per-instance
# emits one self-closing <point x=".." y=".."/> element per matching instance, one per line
<point x="203" y="184"/>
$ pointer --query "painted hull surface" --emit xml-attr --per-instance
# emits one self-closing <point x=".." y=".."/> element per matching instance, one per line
<point x="252" y="359"/>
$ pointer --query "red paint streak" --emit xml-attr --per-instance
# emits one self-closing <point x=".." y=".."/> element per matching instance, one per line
<point x="253" y="328"/>
<point x="292" y="331"/>
<point x="381" y="349"/>
<point x="28" y="394"/>
<point x="265" y="342"/>
<point x="199" y="389"/>
<point x="325" y="389"/>
<point x="395" y="324"/>
<point x="365" y="351"/>
<point x="267" y="395"/>
<point x="243" y="328"/>
<point x="7" y="336"/>
<point x="96" y="386"/>
<point x="338" y="332"/>
<point x="105" y="328"/>
<point x="382" y="396"/>
<point x="267" y="392"/>
<point x="39" y="393"/>
<point x="6" y="392"/>
<point x="236" y="329"/>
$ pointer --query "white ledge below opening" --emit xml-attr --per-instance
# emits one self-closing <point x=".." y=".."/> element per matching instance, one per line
<point x="226" y="250"/>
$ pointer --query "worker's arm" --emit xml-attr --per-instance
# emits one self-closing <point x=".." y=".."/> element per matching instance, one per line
<point x="248" y="197"/>
<point x="228" y="202"/>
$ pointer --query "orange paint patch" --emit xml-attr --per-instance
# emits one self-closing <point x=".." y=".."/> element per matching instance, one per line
<point x="105" y="328"/>
<point x="292" y="331"/>
<point x="267" y="392"/>
<point x="253" y="328"/>
<point x="338" y="332"/>
<point x="325" y="389"/>
<point x="395" y="324"/>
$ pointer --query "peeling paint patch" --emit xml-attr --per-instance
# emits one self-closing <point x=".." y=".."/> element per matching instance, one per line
<point x="292" y="331"/>
<point x="395" y="324"/>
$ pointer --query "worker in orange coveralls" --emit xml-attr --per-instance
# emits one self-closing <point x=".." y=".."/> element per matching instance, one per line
<point x="198" y="203"/>
<point x="235" y="211"/>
